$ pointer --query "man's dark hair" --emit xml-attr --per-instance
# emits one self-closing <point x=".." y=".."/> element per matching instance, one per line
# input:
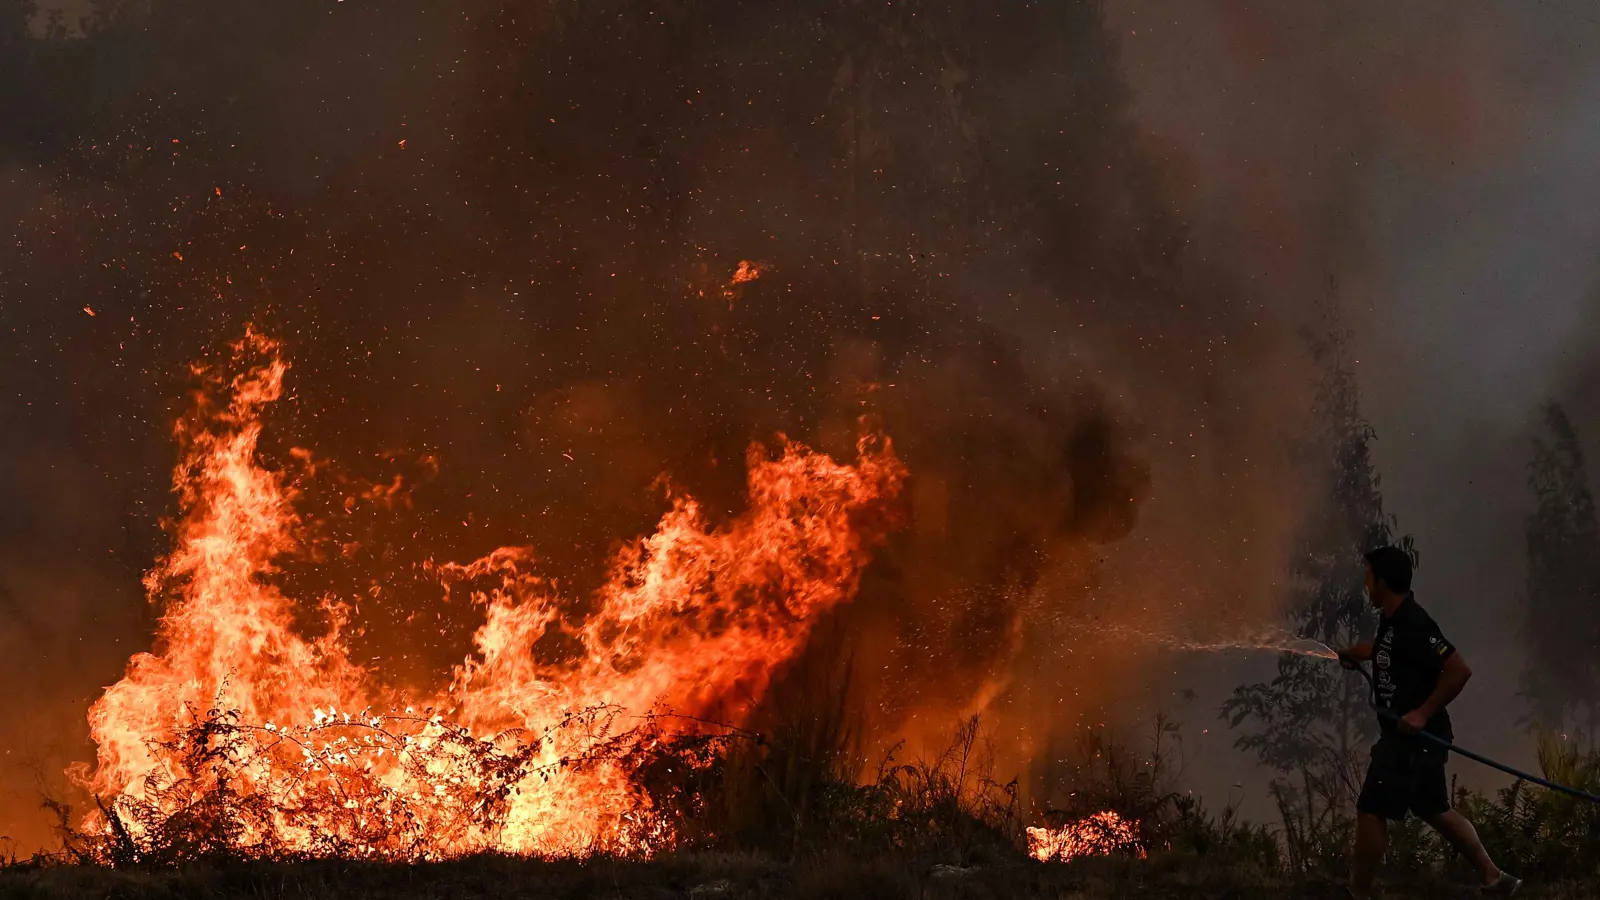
<point x="1392" y="566"/>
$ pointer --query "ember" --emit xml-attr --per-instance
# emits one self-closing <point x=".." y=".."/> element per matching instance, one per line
<point x="238" y="734"/>
<point x="1102" y="834"/>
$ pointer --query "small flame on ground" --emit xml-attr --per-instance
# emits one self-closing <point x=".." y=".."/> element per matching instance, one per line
<point x="1102" y="834"/>
<point x="747" y="272"/>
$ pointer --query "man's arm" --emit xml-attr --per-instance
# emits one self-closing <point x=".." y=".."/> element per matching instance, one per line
<point x="1356" y="653"/>
<point x="1452" y="678"/>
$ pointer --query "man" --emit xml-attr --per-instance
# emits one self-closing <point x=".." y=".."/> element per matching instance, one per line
<point x="1416" y="674"/>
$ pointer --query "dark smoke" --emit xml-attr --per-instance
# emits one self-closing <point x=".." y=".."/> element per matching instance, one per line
<point x="501" y="238"/>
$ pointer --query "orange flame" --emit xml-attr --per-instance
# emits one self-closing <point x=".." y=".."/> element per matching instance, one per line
<point x="308" y="753"/>
<point x="1102" y="834"/>
<point x="746" y="272"/>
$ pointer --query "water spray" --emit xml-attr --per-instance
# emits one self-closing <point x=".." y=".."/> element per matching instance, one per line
<point x="1276" y="641"/>
<point x="1308" y="647"/>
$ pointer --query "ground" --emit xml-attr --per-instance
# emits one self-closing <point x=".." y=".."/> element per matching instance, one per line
<point x="700" y="877"/>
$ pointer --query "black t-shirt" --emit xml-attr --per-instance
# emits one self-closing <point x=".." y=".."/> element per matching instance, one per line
<point x="1407" y="656"/>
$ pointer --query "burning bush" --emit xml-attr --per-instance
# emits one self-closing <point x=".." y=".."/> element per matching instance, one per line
<point x="1102" y="834"/>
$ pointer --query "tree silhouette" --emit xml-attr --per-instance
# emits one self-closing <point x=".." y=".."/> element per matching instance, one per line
<point x="1561" y="680"/>
<point x="1310" y="723"/>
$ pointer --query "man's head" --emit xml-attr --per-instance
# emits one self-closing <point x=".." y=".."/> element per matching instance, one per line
<point x="1388" y="575"/>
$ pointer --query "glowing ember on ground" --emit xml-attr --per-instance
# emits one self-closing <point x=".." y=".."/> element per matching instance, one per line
<point x="237" y="733"/>
<point x="1101" y="834"/>
<point x="747" y="271"/>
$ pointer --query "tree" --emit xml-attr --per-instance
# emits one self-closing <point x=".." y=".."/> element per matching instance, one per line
<point x="1311" y="723"/>
<point x="1561" y="680"/>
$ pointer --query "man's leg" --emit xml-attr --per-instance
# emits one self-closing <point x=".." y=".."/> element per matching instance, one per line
<point x="1432" y="803"/>
<point x="1455" y="828"/>
<point x="1384" y="796"/>
<point x="1372" y="838"/>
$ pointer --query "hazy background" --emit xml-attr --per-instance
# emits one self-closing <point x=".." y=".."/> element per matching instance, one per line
<point x="1062" y="258"/>
<point x="1433" y="164"/>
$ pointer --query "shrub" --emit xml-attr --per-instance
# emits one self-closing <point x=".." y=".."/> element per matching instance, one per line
<point x="1531" y="829"/>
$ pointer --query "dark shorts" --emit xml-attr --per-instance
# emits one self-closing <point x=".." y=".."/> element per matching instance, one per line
<point x="1402" y="777"/>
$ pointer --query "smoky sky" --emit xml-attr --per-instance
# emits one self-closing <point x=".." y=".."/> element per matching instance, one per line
<point x="1058" y="253"/>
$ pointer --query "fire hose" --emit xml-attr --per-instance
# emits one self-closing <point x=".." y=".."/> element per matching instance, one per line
<point x="1454" y="748"/>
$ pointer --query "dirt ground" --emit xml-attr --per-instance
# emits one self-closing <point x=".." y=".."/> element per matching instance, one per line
<point x="701" y="877"/>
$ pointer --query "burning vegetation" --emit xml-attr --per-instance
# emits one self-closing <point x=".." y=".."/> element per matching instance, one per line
<point x="237" y="735"/>
<point x="1102" y="834"/>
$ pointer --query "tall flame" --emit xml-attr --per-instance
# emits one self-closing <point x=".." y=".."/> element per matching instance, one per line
<point x="236" y="716"/>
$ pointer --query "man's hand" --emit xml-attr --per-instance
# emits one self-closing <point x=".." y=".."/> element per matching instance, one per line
<point x="1355" y="654"/>
<point x="1412" y="722"/>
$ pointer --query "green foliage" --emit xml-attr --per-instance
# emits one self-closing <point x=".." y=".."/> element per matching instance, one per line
<point x="1543" y="835"/>
<point x="1531" y="829"/>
